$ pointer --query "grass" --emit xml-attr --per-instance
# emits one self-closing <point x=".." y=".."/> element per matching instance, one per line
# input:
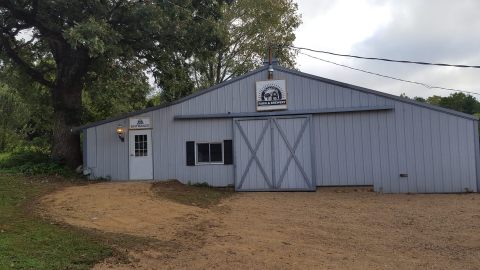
<point x="200" y="195"/>
<point x="30" y="242"/>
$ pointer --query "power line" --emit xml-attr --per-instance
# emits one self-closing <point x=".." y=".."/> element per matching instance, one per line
<point x="385" y="59"/>
<point x="369" y="58"/>
<point x="391" y="77"/>
<point x="186" y="9"/>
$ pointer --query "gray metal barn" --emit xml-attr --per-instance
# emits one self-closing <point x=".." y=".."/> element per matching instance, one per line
<point x="295" y="132"/>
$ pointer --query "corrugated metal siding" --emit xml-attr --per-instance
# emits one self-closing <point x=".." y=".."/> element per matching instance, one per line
<point x="112" y="154"/>
<point x="91" y="150"/>
<point x="169" y="148"/>
<point x="303" y="93"/>
<point x="107" y="156"/>
<point x="435" y="148"/>
<point x="477" y="153"/>
<point x="437" y="159"/>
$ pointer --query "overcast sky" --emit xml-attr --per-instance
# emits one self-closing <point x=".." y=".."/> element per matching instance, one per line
<point x="427" y="30"/>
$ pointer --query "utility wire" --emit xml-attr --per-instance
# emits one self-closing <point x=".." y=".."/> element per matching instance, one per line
<point x="369" y="58"/>
<point x="353" y="56"/>
<point x="391" y="77"/>
<point x="384" y="59"/>
<point x="186" y="9"/>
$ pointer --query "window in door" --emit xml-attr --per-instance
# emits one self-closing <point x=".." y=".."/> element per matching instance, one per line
<point x="141" y="145"/>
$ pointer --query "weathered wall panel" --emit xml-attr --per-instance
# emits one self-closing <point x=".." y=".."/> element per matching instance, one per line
<point x="452" y="170"/>
<point x="112" y="154"/>
<point x="170" y="153"/>
<point x="477" y="153"/>
<point x="91" y="148"/>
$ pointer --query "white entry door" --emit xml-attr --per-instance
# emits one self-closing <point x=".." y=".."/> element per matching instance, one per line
<point x="140" y="147"/>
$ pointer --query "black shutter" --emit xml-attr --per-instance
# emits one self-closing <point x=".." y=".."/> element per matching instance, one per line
<point x="190" y="153"/>
<point x="228" y="152"/>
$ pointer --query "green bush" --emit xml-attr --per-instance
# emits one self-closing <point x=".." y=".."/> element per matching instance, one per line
<point x="202" y="184"/>
<point x="41" y="168"/>
<point x="17" y="159"/>
<point x="31" y="163"/>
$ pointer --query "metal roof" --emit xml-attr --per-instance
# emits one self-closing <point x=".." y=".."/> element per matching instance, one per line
<point x="287" y="70"/>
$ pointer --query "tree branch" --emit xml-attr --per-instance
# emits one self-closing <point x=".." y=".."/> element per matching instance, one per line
<point x="34" y="7"/>
<point x="29" y="18"/>
<point x="10" y="52"/>
<point x="112" y="11"/>
<point x="224" y="73"/>
<point x="219" y="68"/>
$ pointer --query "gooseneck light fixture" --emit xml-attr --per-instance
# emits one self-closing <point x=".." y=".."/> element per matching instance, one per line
<point x="121" y="132"/>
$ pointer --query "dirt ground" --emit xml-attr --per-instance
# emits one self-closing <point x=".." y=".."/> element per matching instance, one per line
<point x="333" y="228"/>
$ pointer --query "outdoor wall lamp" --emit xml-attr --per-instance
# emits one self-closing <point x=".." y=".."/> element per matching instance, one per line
<point x="121" y="132"/>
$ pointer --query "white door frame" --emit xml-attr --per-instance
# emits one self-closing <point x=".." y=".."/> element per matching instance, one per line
<point x="140" y="160"/>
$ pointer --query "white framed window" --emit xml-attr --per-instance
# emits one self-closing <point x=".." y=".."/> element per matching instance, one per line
<point x="209" y="153"/>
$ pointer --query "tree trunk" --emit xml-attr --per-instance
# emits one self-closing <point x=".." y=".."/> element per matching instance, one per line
<point x="67" y="105"/>
<point x="66" y="145"/>
<point x="67" y="102"/>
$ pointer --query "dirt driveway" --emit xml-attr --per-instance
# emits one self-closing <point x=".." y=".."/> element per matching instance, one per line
<point x="333" y="228"/>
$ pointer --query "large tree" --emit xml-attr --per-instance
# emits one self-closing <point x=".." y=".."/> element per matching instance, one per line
<point x="26" y="106"/>
<point x="247" y="28"/>
<point x="60" y="43"/>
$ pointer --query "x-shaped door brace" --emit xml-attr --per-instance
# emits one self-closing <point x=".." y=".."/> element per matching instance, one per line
<point x="292" y="152"/>
<point x="253" y="151"/>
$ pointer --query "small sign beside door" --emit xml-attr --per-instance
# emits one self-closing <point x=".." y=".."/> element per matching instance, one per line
<point x="140" y="123"/>
<point x="271" y="95"/>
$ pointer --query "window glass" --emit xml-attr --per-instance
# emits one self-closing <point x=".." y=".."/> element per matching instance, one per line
<point x="141" y="145"/>
<point x="145" y="148"/>
<point x="209" y="153"/>
<point x="203" y="152"/>
<point x="216" y="152"/>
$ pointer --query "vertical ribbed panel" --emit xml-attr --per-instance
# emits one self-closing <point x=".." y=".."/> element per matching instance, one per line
<point x="437" y="150"/>
<point x="437" y="157"/>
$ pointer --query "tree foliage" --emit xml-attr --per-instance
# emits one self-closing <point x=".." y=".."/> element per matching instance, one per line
<point x="113" y="92"/>
<point x="28" y="124"/>
<point x="246" y="29"/>
<point x="14" y="116"/>
<point x="456" y="101"/>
